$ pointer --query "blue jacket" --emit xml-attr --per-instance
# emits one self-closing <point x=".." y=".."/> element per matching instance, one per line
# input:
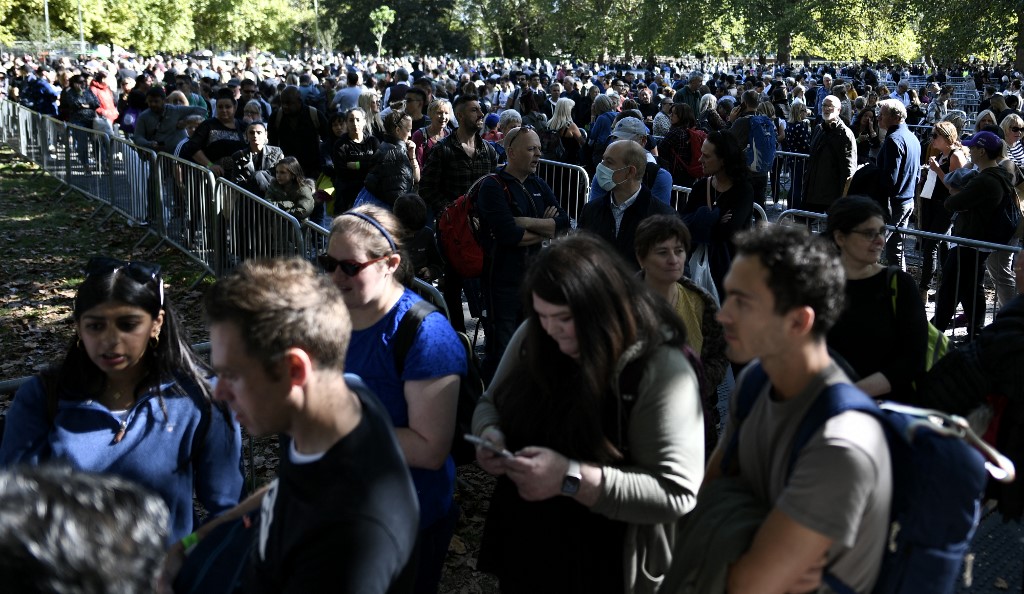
<point x="158" y="450"/>
<point x="899" y="164"/>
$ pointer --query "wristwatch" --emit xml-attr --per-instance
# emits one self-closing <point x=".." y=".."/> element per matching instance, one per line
<point x="571" y="481"/>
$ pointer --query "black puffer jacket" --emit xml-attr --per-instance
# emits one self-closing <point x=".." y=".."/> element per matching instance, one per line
<point x="391" y="173"/>
<point x="975" y="206"/>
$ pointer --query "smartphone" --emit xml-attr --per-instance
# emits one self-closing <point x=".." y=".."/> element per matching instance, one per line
<point x="487" y="445"/>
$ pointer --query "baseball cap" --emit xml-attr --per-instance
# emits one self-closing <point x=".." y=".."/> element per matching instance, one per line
<point x="986" y="140"/>
<point x="629" y="129"/>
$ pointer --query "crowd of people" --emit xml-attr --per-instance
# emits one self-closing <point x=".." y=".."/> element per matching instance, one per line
<point x="604" y="349"/>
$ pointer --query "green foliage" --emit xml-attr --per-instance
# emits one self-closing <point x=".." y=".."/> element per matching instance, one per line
<point x="381" y="18"/>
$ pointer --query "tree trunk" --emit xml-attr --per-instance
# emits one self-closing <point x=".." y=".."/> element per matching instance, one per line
<point x="501" y="43"/>
<point x="784" y="51"/>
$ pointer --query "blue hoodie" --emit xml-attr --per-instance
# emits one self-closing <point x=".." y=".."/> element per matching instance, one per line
<point x="157" y="450"/>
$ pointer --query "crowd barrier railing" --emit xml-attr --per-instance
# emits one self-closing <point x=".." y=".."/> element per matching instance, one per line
<point x="132" y="185"/>
<point x="254" y="227"/>
<point x="56" y="163"/>
<point x="87" y="152"/>
<point x="314" y="239"/>
<point x="815" y="221"/>
<point x="29" y="136"/>
<point x="786" y="181"/>
<point x="570" y="184"/>
<point x="185" y="193"/>
<point x="8" y="121"/>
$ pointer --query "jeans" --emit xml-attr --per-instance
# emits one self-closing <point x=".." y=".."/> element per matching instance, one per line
<point x="1000" y="266"/>
<point x="899" y="214"/>
<point x="962" y="276"/>
<point x="500" y="324"/>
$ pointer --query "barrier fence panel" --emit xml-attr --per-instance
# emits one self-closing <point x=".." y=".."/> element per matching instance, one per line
<point x="86" y="151"/>
<point x="570" y="183"/>
<point x="186" y="195"/>
<point x="55" y="162"/>
<point x="28" y="134"/>
<point x="314" y="240"/>
<point x="254" y="228"/>
<point x="131" y="184"/>
<point x="680" y="194"/>
<point x="8" y="121"/>
<point x="787" y="179"/>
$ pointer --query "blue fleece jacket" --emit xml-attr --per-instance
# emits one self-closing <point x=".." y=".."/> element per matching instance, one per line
<point x="899" y="163"/>
<point x="158" y="450"/>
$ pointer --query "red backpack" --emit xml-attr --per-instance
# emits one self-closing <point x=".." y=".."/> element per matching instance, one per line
<point x="693" y="167"/>
<point x="457" y="229"/>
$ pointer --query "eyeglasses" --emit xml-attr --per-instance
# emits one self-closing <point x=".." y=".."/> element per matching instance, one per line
<point x="870" y="234"/>
<point x="140" y="272"/>
<point x="515" y="133"/>
<point x="1016" y="129"/>
<point x="349" y="267"/>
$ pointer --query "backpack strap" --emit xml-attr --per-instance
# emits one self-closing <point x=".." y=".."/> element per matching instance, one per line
<point x="405" y="335"/>
<point x="746" y="395"/>
<point x="893" y="282"/>
<point x="313" y="116"/>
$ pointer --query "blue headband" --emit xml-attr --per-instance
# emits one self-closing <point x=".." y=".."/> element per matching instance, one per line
<point x="379" y="227"/>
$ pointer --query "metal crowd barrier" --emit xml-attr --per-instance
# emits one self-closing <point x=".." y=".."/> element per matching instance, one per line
<point x="254" y="227"/>
<point x="28" y="135"/>
<point x="131" y="192"/>
<point x="88" y="171"/>
<point x="55" y="162"/>
<point x="8" y="120"/>
<point x="570" y="183"/>
<point x="787" y="179"/>
<point x="185" y="193"/>
<point x="314" y="239"/>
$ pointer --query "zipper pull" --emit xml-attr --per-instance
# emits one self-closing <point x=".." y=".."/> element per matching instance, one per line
<point x="120" y="433"/>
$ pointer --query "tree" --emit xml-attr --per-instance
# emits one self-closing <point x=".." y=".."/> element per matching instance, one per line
<point x="382" y="17"/>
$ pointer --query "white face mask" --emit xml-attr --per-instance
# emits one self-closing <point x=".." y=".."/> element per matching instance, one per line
<point x="603" y="176"/>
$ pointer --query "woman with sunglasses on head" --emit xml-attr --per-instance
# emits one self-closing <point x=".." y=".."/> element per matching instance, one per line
<point x="932" y="214"/>
<point x="131" y="399"/>
<point x="881" y="334"/>
<point x="366" y="262"/>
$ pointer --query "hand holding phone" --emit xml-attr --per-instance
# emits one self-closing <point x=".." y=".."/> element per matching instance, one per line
<point x="487" y="445"/>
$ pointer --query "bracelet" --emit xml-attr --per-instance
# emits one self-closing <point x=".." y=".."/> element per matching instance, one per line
<point x="190" y="541"/>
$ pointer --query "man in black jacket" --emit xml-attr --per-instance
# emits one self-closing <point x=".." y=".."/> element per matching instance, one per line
<point x="616" y="215"/>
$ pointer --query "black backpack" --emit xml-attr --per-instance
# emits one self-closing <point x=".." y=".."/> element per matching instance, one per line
<point x="551" y="144"/>
<point x="471" y="386"/>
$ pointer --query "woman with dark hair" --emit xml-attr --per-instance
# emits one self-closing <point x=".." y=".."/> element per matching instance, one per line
<point x="675" y="151"/>
<point x="366" y="260"/>
<point x="216" y="139"/>
<point x="865" y="130"/>
<point x="662" y="243"/>
<point x="131" y="399"/>
<point x="721" y="204"/>
<point x="394" y="169"/>
<point x="530" y="110"/>
<point x="606" y="425"/>
<point x="883" y="332"/>
<point x="976" y="205"/>
<point x="291" y="190"/>
<point x="351" y="155"/>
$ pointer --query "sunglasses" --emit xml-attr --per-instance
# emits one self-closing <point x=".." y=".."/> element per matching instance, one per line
<point x="349" y="267"/>
<point x="1017" y="129"/>
<point x="140" y="272"/>
<point x="518" y="132"/>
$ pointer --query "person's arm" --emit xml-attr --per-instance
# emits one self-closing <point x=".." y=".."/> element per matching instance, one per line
<point x="666" y="436"/>
<point x="142" y="135"/>
<point x="849" y="153"/>
<point x="431" y="184"/>
<point x="26" y="427"/>
<point x="431" y="404"/>
<point x="888" y="174"/>
<point x="218" y="471"/>
<point x="662" y="190"/>
<point x="781" y="555"/>
<point x="302" y="203"/>
<point x="908" y="361"/>
<point x="495" y="211"/>
<point x="486" y="420"/>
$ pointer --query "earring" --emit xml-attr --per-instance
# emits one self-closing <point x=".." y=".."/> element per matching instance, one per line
<point x="154" y="342"/>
